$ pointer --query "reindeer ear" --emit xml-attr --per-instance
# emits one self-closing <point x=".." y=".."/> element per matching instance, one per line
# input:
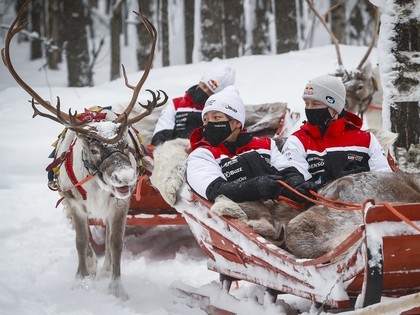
<point x="367" y="69"/>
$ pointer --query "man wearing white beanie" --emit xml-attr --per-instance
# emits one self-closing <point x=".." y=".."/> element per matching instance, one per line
<point x="227" y="160"/>
<point x="183" y="114"/>
<point x="330" y="144"/>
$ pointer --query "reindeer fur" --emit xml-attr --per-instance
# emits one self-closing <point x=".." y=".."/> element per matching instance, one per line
<point x="169" y="170"/>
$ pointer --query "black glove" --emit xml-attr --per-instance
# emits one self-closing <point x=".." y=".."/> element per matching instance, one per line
<point x="268" y="187"/>
<point x="351" y="167"/>
<point x="261" y="187"/>
<point x="291" y="176"/>
<point x="305" y="188"/>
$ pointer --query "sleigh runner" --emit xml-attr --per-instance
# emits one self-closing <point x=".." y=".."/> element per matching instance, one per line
<point x="380" y="258"/>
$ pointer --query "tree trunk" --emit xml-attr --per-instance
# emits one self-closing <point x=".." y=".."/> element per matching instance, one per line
<point x="338" y="20"/>
<point x="261" y="38"/>
<point x="77" y="44"/>
<point x="36" y="19"/>
<point x="143" y="49"/>
<point x="164" y="36"/>
<point x="404" y="121"/>
<point x="286" y="26"/>
<point x="399" y="42"/>
<point x="116" y="28"/>
<point x="54" y="22"/>
<point x="212" y="29"/>
<point x="234" y="28"/>
<point x="189" y="29"/>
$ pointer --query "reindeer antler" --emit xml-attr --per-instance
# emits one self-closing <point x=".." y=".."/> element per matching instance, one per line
<point x="136" y="89"/>
<point x="372" y="43"/>
<point x="333" y="38"/>
<point x="15" y="28"/>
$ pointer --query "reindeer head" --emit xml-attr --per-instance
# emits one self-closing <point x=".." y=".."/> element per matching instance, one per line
<point x="360" y="83"/>
<point x="115" y="167"/>
<point x="360" y="87"/>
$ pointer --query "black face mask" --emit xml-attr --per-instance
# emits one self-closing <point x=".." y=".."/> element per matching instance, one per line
<point x="320" y="117"/>
<point x="198" y="96"/>
<point x="216" y="132"/>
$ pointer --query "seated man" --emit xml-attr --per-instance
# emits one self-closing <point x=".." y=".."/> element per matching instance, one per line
<point x="183" y="114"/>
<point x="227" y="160"/>
<point x="330" y="144"/>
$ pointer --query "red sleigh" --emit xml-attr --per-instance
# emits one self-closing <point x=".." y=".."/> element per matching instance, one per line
<point x="381" y="258"/>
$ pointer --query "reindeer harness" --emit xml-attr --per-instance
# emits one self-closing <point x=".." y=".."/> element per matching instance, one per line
<point x="93" y="114"/>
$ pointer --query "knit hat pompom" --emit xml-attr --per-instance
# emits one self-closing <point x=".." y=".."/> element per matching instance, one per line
<point x="328" y="90"/>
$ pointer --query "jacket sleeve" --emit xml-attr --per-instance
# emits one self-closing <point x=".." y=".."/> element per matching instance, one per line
<point x="162" y="136"/>
<point x="167" y="118"/>
<point x="377" y="161"/>
<point x="295" y="154"/>
<point x="202" y="170"/>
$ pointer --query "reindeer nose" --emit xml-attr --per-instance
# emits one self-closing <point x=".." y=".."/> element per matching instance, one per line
<point x="126" y="176"/>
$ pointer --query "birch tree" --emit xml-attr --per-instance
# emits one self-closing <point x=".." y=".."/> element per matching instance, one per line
<point x="399" y="52"/>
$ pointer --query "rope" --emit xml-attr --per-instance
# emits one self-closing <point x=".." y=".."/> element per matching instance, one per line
<point x="79" y="184"/>
<point x="335" y="204"/>
<point x="400" y="215"/>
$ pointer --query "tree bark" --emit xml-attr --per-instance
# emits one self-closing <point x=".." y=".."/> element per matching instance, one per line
<point x="116" y="29"/>
<point x="189" y="29"/>
<point x="164" y="38"/>
<point x="212" y="29"/>
<point x="36" y="19"/>
<point x="261" y="38"/>
<point x="234" y="28"/>
<point x="77" y="44"/>
<point x="405" y="72"/>
<point x="143" y="49"/>
<point x="54" y="22"/>
<point x="286" y="26"/>
<point x="338" y="20"/>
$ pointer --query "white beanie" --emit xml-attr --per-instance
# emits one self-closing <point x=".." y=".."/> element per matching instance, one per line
<point x="219" y="77"/>
<point x="228" y="102"/>
<point x="327" y="89"/>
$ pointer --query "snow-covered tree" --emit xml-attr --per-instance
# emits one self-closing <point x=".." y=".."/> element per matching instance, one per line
<point x="399" y="53"/>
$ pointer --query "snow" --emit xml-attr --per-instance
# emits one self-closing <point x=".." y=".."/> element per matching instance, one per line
<point x="39" y="259"/>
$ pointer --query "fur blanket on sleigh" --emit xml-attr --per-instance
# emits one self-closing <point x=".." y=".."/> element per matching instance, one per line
<point x="306" y="234"/>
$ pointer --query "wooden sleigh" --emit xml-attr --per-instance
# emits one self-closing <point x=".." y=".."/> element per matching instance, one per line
<point x="381" y="258"/>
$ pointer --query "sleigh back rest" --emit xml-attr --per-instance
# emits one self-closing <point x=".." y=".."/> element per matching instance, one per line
<point x="394" y="248"/>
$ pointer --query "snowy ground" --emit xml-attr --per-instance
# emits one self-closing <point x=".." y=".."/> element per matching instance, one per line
<point x="38" y="256"/>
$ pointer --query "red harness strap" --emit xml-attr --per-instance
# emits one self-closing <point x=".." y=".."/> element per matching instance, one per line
<point x="69" y="169"/>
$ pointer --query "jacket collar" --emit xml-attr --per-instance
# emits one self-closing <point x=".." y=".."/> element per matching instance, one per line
<point x="336" y="127"/>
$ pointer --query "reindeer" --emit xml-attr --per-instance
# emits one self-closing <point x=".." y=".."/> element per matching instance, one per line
<point x="364" y="91"/>
<point x="99" y="159"/>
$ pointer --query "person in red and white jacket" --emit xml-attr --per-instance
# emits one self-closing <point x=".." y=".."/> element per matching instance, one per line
<point x="331" y="144"/>
<point x="227" y="160"/>
<point x="183" y="114"/>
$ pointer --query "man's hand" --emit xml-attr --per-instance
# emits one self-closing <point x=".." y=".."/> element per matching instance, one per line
<point x="304" y="188"/>
<point x="268" y="187"/>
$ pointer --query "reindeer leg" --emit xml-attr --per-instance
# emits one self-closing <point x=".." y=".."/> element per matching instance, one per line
<point x="115" y="244"/>
<point x="86" y="269"/>
<point x="106" y="267"/>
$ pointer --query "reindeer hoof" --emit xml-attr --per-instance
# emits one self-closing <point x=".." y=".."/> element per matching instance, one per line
<point x="85" y="283"/>
<point x="117" y="289"/>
